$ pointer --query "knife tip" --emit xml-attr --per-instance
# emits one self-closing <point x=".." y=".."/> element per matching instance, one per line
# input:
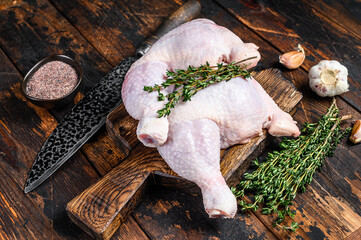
<point x="28" y="189"/>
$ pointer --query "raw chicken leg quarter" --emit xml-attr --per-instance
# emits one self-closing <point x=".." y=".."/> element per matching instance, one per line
<point x="219" y="116"/>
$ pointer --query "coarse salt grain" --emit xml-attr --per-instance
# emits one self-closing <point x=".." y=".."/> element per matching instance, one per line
<point x="52" y="80"/>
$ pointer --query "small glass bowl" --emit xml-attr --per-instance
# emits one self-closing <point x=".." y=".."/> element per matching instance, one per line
<point x="57" y="102"/>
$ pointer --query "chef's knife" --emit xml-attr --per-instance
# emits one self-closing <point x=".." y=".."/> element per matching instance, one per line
<point x="90" y="113"/>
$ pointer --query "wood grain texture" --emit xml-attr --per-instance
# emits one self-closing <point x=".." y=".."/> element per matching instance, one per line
<point x="122" y="132"/>
<point x="165" y="215"/>
<point x="116" y="28"/>
<point x="347" y="14"/>
<point x="186" y="12"/>
<point x="102" y="207"/>
<point x="356" y="235"/>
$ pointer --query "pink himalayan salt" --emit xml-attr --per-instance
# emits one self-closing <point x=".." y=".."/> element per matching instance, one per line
<point x="52" y="80"/>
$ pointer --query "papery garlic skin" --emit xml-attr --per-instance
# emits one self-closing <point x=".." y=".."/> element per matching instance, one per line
<point x="328" y="78"/>
<point x="356" y="132"/>
<point x="293" y="59"/>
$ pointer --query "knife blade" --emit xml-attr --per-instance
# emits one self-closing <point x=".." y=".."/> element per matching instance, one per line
<point x="90" y="113"/>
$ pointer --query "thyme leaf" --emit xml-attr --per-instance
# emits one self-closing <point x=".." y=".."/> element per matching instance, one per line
<point x="188" y="82"/>
<point x="277" y="180"/>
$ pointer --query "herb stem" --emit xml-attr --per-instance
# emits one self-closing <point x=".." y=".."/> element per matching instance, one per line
<point x="188" y="82"/>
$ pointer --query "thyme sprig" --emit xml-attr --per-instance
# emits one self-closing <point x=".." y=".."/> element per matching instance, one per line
<point x="276" y="181"/>
<point x="188" y="82"/>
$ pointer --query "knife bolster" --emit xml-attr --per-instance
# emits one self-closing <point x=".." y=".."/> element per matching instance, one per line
<point x="142" y="49"/>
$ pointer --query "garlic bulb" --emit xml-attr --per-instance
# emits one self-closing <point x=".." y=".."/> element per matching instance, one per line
<point x="293" y="59"/>
<point x="328" y="78"/>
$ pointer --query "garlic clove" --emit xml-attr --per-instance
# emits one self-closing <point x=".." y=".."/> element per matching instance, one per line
<point x="356" y="132"/>
<point x="328" y="78"/>
<point x="293" y="59"/>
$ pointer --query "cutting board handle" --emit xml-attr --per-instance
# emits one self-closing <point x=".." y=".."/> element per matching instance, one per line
<point x="105" y="205"/>
<point x="185" y="13"/>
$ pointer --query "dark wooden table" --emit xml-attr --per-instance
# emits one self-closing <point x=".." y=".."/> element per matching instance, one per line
<point x="99" y="34"/>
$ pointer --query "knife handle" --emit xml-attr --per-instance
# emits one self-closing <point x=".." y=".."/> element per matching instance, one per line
<point x="104" y="206"/>
<point x="185" y="13"/>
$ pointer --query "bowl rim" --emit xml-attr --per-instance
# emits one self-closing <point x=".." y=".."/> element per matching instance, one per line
<point x="54" y="57"/>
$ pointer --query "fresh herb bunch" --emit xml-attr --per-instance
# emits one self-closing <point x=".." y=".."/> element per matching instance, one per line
<point x="188" y="82"/>
<point x="276" y="181"/>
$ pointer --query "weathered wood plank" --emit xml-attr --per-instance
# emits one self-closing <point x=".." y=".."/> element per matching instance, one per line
<point x="334" y="217"/>
<point x="130" y="231"/>
<point x="165" y="215"/>
<point x="344" y="172"/>
<point x="23" y="220"/>
<point x="98" y="22"/>
<point x="102" y="152"/>
<point x="116" y="28"/>
<point x="356" y="235"/>
<point x="34" y="30"/>
<point x="344" y="13"/>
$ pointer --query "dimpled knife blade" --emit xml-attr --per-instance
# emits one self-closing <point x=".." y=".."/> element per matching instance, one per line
<point x="79" y="125"/>
<point x="90" y="113"/>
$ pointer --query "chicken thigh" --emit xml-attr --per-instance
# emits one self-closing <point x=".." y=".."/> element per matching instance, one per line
<point x="219" y="116"/>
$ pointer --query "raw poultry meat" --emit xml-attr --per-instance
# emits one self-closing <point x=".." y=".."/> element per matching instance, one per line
<point x="219" y="116"/>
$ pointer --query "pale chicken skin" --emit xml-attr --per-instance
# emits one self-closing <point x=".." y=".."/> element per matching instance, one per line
<point x="219" y="116"/>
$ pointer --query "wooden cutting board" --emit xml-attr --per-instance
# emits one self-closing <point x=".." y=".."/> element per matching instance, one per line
<point x="104" y="206"/>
